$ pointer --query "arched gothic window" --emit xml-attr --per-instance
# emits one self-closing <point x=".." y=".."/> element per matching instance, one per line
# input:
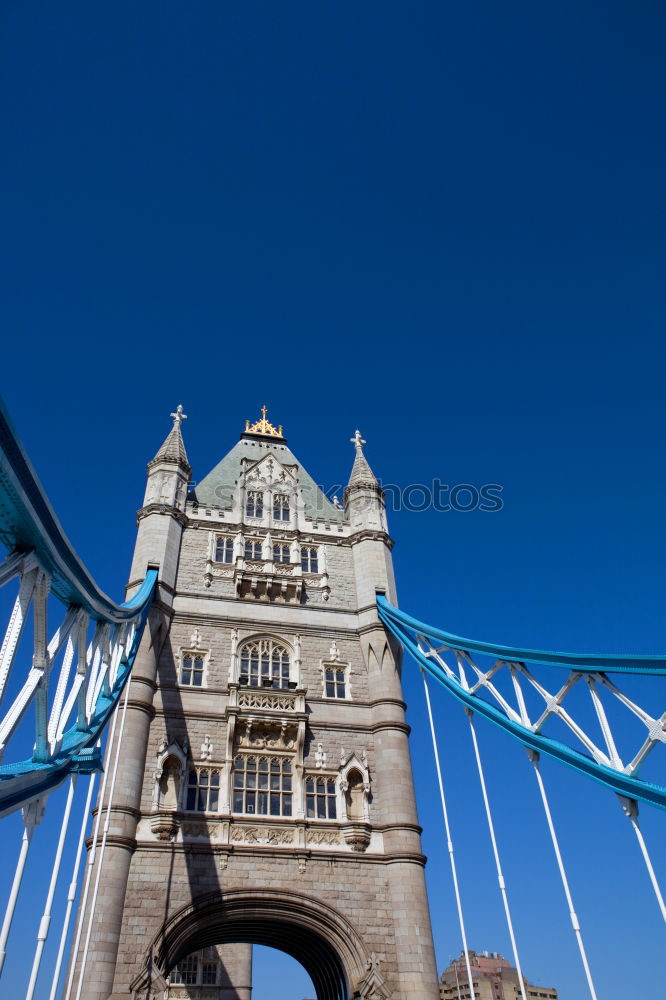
<point x="264" y="663"/>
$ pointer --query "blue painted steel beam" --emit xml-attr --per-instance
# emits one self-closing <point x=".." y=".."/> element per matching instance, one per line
<point x="582" y="662"/>
<point x="29" y="524"/>
<point x="402" y="626"/>
<point x="26" y="780"/>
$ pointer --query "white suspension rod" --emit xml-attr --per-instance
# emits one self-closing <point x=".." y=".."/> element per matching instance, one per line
<point x="71" y="892"/>
<point x="31" y="816"/>
<point x="500" y="876"/>
<point x="100" y="864"/>
<point x="91" y="861"/>
<point x="630" y="809"/>
<point x="44" y="923"/>
<point x="534" y="757"/>
<point x="449" y="841"/>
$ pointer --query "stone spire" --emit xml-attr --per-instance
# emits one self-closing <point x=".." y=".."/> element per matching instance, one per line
<point x="173" y="449"/>
<point x="361" y="473"/>
<point x="364" y="497"/>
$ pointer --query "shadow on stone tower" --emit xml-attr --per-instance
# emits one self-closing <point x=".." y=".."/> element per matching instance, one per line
<point x="265" y="794"/>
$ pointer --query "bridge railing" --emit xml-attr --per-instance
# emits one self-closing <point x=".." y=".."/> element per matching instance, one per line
<point x="500" y="684"/>
<point x="72" y="677"/>
<point x="59" y="686"/>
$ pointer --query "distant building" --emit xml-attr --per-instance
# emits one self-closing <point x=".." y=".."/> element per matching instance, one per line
<point x="493" y="978"/>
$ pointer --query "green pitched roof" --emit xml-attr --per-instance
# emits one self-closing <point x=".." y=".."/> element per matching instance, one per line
<point x="217" y="488"/>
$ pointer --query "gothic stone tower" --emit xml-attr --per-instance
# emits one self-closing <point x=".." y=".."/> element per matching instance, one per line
<point x="265" y="793"/>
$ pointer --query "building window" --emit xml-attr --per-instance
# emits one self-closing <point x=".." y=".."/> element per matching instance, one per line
<point x="255" y="504"/>
<point x="253" y="548"/>
<point x="262" y="786"/>
<point x="309" y="559"/>
<point x="336" y="682"/>
<point x="320" y="798"/>
<point x="209" y="974"/>
<point x="281" y="553"/>
<point x="264" y="662"/>
<point x="192" y="669"/>
<point x="203" y="790"/>
<point x="185" y="973"/>
<point x="224" y="550"/>
<point x="280" y="507"/>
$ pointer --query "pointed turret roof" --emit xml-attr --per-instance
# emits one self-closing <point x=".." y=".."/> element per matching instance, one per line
<point x="173" y="448"/>
<point x="361" y="473"/>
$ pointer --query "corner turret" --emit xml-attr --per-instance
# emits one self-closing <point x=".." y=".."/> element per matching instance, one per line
<point x="162" y="517"/>
<point x="169" y="472"/>
<point x="364" y="497"/>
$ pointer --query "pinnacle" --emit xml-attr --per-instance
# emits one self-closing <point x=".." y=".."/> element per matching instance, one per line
<point x="173" y="448"/>
<point x="361" y="474"/>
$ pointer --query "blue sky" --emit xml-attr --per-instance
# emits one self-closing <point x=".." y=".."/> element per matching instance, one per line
<point x="443" y="224"/>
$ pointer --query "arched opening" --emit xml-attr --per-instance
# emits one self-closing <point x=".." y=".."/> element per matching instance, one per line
<point x="239" y="972"/>
<point x="318" y="937"/>
<point x="270" y="968"/>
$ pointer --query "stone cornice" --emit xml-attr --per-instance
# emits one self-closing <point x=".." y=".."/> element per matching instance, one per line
<point x="375" y="536"/>
<point x="161" y="508"/>
<point x="215" y="850"/>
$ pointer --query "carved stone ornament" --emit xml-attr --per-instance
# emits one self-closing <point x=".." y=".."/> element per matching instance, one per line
<point x="274" y="836"/>
<point x="260" y="734"/>
<point x="323" y="837"/>
<point x="256" y="698"/>
<point x="199" y="828"/>
<point x="164" y="825"/>
<point x="372" y="986"/>
<point x="245" y="834"/>
<point x="279" y="836"/>
<point x="150" y="984"/>
<point x="206" y="749"/>
<point x="357" y="835"/>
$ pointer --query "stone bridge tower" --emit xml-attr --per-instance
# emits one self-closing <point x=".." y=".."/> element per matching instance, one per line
<point x="265" y="793"/>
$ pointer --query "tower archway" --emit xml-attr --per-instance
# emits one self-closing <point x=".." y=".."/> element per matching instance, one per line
<point x="325" y="943"/>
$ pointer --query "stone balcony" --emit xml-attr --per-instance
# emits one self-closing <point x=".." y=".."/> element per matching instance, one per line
<point x="266" y="699"/>
<point x="266" y="580"/>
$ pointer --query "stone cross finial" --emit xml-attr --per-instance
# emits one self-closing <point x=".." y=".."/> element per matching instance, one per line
<point x="178" y="416"/>
<point x="357" y="440"/>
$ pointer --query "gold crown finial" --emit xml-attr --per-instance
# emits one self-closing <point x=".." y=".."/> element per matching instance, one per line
<point x="263" y="426"/>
